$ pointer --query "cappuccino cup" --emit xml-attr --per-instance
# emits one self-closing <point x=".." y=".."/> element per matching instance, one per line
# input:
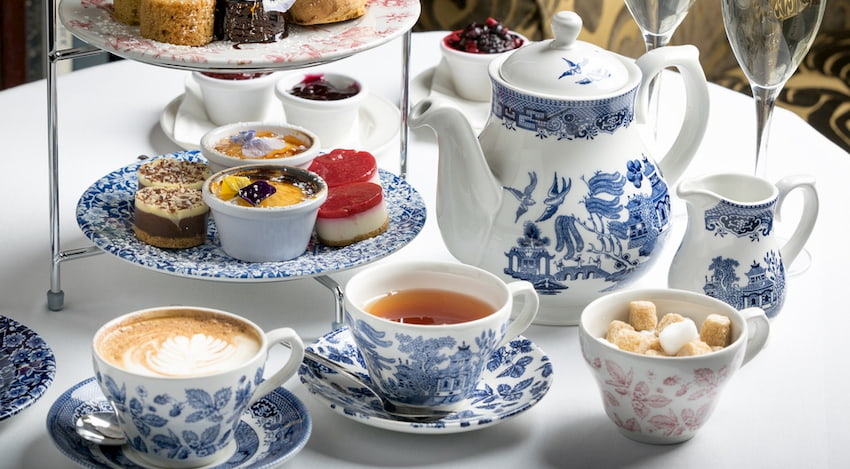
<point x="180" y="377"/>
<point x="432" y="356"/>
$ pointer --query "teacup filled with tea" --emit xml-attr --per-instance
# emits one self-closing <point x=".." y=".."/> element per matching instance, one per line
<point x="426" y="329"/>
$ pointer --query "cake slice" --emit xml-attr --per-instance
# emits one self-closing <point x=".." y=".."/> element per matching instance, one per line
<point x="171" y="172"/>
<point x="341" y="166"/>
<point x="353" y="212"/>
<point x="170" y="217"/>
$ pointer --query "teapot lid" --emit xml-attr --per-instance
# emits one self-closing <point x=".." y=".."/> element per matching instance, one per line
<point x="565" y="66"/>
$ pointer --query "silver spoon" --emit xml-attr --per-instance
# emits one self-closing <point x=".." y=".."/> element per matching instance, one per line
<point x="100" y="427"/>
<point x="397" y="411"/>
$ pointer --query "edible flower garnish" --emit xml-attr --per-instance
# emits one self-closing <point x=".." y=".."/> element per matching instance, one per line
<point x="256" y="147"/>
<point x="230" y="186"/>
<point x="256" y="192"/>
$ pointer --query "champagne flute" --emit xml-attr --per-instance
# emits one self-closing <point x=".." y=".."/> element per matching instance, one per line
<point x="770" y="39"/>
<point x="657" y="20"/>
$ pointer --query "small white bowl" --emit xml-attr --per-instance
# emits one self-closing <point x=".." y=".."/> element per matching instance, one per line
<point x="219" y="161"/>
<point x="334" y="121"/>
<point x="266" y="234"/>
<point x="236" y="100"/>
<point x="469" y="70"/>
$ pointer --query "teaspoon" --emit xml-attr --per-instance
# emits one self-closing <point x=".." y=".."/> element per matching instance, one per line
<point x="100" y="427"/>
<point x="397" y="411"/>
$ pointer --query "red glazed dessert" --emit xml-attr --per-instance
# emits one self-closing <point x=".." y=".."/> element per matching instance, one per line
<point x="353" y="212"/>
<point x="342" y="166"/>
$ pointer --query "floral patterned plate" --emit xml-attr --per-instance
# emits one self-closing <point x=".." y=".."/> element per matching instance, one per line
<point x="272" y="430"/>
<point x="105" y="214"/>
<point x="93" y="22"/>
<point x="517" y="376"/>
<point x="27" y="367"/>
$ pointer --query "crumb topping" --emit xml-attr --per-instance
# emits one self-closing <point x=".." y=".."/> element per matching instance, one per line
<point x="174" y="171"/>
<point x="170" y="199"/>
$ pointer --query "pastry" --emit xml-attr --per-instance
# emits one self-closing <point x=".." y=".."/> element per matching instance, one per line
<point x="307" y="12"/>
<point x="340" y="166"/>
<point x="250" y="21"/>
<point x="126" y="11"/>
<point x="171" y="172"/>
<point x="170" y="217"/>
<point x="181" y="22"/>
<point x="353" y="212"/>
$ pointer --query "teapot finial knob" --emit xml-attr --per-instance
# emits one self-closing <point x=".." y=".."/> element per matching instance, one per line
<point x="566" y="26"/>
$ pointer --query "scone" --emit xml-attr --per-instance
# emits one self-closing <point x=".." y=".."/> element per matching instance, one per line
<point x="181" y="22"/>
<point x="307" y="12"/>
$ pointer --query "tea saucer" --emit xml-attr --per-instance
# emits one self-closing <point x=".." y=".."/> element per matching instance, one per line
<point x="517" y="376"/>
<point x="27" y="367"/>
<point x="272" y="431"/>
<point x="436" y="82"/>
<point x="184" y="120"/>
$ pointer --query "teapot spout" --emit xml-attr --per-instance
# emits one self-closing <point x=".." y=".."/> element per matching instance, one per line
<point x="468" y="194"/>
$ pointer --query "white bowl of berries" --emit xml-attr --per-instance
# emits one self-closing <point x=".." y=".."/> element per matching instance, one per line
<point x="469" y="51"/>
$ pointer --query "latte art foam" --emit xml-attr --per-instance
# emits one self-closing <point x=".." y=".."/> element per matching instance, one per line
<point x="179" y="346"/>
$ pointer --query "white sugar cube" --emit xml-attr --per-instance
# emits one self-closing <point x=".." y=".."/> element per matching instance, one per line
<point x="677" y="334"/>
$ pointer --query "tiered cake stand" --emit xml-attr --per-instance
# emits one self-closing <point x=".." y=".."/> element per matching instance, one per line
<point x="92" y="22"/>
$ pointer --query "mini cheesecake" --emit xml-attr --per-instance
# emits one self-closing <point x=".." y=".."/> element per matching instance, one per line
<point x="170" y="217"/>
<point x="342" y="166"/>
<point x="353" y="212"/>
<point x="171" y="172"/>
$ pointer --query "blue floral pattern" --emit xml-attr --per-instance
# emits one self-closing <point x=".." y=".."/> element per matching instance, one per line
<point x="27" y="367"/>
<point x="270" y="432"/>
<point x="515" y="378"/>
<point x="105" y="215"/>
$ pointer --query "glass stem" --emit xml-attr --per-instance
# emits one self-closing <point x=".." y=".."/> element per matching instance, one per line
<point x="653" y="42"/>
<point x="765" y="99"/>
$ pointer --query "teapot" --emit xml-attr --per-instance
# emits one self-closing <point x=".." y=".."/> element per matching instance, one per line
<point x="559" y="188"/>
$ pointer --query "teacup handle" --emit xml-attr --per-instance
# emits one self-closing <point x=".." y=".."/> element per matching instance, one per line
<point x="296" y="355"/>
<point x="758" y="327"/>
<point x="806" y="183"/>
<point x="530" y="303"/>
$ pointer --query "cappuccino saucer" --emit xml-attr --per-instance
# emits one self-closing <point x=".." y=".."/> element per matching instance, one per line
<point x="517" y="376"/>
<point x="272" y="430"/>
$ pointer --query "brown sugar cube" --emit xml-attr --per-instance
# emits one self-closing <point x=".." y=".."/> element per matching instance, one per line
<point x="668" y="319"/>
<point x="654" y="347"/>
<point x="633" y="341"/>
<point x="694" y="347"/>
<point x="642" y="315"/>
<point x="716" y="330"/>
<point x="617" y="327"/>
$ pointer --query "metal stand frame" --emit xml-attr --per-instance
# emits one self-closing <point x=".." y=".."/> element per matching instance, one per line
<point x="55" y="295"/>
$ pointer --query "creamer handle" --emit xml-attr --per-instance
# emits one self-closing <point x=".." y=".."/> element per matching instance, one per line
<point x="809" y="215"/>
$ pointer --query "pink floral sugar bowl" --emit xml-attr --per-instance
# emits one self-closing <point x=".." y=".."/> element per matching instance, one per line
<point x="650" y="394"/>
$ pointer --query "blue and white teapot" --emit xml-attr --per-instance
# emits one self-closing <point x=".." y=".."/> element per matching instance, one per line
<point x="560" y="188"/>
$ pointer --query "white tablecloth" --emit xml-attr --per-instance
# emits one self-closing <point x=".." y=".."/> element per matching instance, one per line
<point x="787" y="408"/>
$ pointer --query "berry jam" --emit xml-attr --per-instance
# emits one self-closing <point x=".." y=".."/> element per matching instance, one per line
<point x="315" y="87"/>
<point x="235" y="76"/>
<point x="491" y="37"/>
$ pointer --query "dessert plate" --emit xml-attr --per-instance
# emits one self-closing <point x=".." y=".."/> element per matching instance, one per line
<point x="27" y="367"/>
<point x="93" y="22"/>
<point x="272" y="430"/>
<point x="184" y="120"/>
<point x="105" y="215"/>
<point x="517" y="376"/>
<point x="436" y="82"/>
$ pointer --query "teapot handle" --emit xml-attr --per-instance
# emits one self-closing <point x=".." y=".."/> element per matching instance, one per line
<point x="686" y="60"/>
<point x="809" y="213"/>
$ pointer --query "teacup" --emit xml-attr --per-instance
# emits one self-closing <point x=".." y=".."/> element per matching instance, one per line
<point x="334" y="120"/>
<point x="179" y="378"/>
<point x="665" y="399"/>
<point x="432" y="356"/>
<point x="236" y="97"/>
